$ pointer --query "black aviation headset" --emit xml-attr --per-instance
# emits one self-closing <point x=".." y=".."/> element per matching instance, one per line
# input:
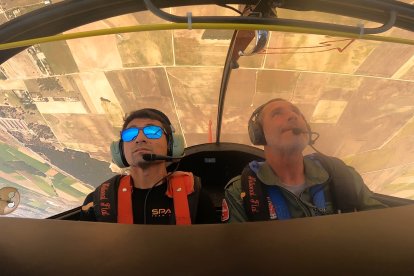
<point x="175" y="142"/>
<point x="255" y="127"/>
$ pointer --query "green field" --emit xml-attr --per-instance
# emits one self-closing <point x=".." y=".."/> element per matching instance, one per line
<point x="14" y="162"/>
<point x="5" y="154"/>
<point x="19" y="177"/>
<point x="37" y="205"/>
<point x="9" y="154"/>
<point x="7" y="169"/>
<point x="43" y="185"/>
<point x="6" y="183"/>
<point x="64" y="183"/>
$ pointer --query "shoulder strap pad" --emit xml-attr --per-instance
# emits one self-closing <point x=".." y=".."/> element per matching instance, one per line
<point x="341" y="180"/>
<point x="125" y="212"/>
<point x="254" y="198"/>
<point x="105" y="200"/>
<point x="180" y="185"/>
<point x="180" y="180"/>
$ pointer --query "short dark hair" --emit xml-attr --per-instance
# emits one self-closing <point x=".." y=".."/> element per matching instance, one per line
<point x="149" y="113"/>
<point x="154" y="114"/>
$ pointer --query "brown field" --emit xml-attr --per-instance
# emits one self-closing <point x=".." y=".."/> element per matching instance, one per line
<point x="95" y="53"/>
<point x="12" y="84"/>
<point x="99" y="90"/>
<point x="17" y="3"/>
<point x="134" y="88"/>
<point x="21" y="66"/>
<point x="59" y="57"/>
<point x="89" y="133"/>
<point x="191" y="49"/>
<point x="146" y="49"/>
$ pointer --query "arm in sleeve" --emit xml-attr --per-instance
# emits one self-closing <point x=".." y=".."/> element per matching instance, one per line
<point x="232" y="195"/>
<point x="87" y="211"/>
<point x="365" y="199"/>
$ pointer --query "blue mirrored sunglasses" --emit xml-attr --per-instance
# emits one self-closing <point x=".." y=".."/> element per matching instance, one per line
<point x="151" y="132"/>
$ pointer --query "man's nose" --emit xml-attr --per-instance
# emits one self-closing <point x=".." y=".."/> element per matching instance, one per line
<point x="141" y="137"/>
<point x="293" y="116"/>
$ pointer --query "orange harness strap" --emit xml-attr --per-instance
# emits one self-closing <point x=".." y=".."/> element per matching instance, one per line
<point x="125" y="214"/>
<point x="180" y="185"/>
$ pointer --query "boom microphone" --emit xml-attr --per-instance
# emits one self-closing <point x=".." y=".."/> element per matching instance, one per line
<point x="156" y="157"/>
<point x="298" y="131"/>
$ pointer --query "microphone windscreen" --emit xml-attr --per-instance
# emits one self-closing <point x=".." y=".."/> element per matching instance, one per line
<point x="156" y="157"/>
<point x="149" y="157"/>
<point x="297" y="131"/>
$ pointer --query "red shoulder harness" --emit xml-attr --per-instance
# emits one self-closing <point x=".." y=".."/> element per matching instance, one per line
<point x="180" y="185"/>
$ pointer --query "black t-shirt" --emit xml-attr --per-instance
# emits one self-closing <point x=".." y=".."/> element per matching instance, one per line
<point x="157" y="207"/>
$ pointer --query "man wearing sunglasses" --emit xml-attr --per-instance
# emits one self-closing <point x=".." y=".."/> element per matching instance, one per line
<point x="149" y="194"/>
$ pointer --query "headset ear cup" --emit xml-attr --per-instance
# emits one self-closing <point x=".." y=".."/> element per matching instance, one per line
<point x="256" y="134"/>
<point x="177" y="147"/>
<point x="117" y="152"/>
<point x="255" y="129"/>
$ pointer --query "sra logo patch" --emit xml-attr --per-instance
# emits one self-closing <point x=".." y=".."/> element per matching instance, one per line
<point x="161" y="212"/>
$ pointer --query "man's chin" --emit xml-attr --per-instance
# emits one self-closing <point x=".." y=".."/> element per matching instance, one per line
<point x="289" y="147"/>
<point x="296" y="147"/>
<point x="143" y="163"/>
